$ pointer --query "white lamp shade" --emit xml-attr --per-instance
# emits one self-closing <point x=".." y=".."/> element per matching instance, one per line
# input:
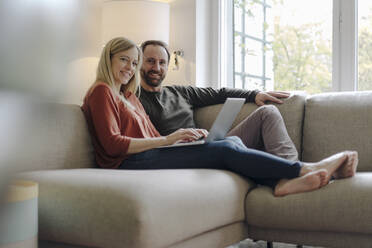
<point x="135" y="20"/>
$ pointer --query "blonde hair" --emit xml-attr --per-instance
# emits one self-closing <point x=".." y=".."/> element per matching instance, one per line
<point x="104" y="70"/>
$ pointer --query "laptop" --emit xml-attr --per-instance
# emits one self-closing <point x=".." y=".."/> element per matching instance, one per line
<point x="221" y="125"/>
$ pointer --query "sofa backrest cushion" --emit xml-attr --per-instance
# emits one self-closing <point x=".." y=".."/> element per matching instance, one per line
<point x="338" y="121"/>
<point x="292" y="111"/>
<point x="59" y="139"/>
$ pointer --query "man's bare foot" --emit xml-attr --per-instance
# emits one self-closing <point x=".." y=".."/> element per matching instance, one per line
<point x="349" y="167"/>
<point x="331" y="164"/>
<point x="310" y="181"/>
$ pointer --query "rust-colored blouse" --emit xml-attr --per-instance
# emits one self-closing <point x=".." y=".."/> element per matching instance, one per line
<point x="112" y="124"/>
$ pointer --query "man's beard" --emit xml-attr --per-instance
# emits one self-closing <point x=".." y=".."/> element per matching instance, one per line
<point x="151" y="81"/>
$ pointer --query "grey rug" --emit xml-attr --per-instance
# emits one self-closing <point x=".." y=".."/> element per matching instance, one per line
<point x="262" y="244"/>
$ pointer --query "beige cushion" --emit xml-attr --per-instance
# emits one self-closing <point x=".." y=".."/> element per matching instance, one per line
<point x="59" y="139"/>
<point x="342" y="206"/>
<point x="339" y="121"/>
<point x="148" y="208"/>
<point x="292" y="111"/>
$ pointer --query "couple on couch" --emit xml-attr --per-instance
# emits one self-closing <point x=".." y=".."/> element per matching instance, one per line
<point x="130" y="115"/>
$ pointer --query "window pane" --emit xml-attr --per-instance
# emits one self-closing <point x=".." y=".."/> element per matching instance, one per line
<point x="254" y="19"/>
<point x="238" y="54"/>
<point x="269" y="74"/>
<point x="238" y="82"/>
<point x="253" y="83"/>
<point x="269" y="85"/>
<point x="302" y="45"/>
<point x="253" y="57"/>
<point x="365" y="45"/>
<point x="297" y="40"/>
<point x="238" y="18"/>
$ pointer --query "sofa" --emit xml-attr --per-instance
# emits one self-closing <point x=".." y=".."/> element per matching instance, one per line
<point x="84" y="206"/>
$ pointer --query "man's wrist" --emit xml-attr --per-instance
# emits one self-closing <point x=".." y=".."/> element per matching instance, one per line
<point x="252" y="96"/>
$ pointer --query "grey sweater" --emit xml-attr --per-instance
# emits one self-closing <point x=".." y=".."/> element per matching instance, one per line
<point x="172" y="108"/>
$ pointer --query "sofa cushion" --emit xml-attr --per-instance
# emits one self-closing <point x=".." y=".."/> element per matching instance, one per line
<point x="121" y="208"/>
<point x="59" y="139"/>
<point x="292" y="111"/>
<point x="342" y="206"/>
<point x="338" y="121"/>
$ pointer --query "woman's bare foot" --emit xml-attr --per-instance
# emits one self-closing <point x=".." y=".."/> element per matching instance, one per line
<point x="330" y="164"/>
<point x="349" y="167"/>
<point x="310" y="181"/>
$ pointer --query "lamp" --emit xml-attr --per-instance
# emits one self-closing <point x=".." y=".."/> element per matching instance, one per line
<point x="136" y="20"/>
<point x="176" y="63"/>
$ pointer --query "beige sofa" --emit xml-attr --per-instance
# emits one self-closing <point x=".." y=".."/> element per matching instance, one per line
<point x="83" y="206"/>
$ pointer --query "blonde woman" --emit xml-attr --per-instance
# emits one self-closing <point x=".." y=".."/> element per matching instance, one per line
<point x="124" y="137"/>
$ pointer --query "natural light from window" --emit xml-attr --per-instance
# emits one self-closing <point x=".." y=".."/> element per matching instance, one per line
<point x="365" y="45"/>
<point x="283" y="45"/>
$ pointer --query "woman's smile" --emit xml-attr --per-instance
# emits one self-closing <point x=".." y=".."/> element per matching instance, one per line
<point x="124" y="65"/>
<point x="126" y="74"/>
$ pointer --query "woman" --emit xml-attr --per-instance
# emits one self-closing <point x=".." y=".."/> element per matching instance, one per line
<point x="124" y="137"/>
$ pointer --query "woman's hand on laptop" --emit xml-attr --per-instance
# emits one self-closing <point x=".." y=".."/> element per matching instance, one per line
<point x="200" y="134"/>
<point x="203" y="132"/>
<point x="186" y="135"/>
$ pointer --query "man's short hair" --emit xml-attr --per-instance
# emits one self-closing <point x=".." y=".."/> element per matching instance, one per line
<point x="156" y="43"/>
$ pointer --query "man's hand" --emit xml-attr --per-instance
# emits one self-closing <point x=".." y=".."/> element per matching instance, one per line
<point x="272" y="96"/>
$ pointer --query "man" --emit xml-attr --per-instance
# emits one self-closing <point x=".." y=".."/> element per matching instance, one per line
<point x="171" y="107"/>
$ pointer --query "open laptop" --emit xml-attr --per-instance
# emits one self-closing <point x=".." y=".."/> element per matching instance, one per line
<point x="221" y="125"/>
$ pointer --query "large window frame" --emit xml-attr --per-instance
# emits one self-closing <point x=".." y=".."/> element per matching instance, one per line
<point x="344" y="45"/>
<point x="262" y="41"/>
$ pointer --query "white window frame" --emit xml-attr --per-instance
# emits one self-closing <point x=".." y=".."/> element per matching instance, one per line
<point x="345" y="45"/>
<point x="226" y="39"/>
<point x="344" y="51"/>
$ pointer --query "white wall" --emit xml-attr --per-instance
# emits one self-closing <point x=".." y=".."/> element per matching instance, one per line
<point x="182" y="36"/>
<point x="52" y="47"/>
<point x="207" y="55"/>
<point x="194" y="29"/>
<point x="81" y="70"/>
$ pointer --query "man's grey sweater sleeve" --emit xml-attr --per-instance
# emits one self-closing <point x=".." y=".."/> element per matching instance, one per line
<point x="200" y="97"/>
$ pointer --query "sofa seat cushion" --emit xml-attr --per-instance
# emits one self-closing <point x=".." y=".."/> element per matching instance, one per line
<point x="136" y="208"/>
<point x="342" y="206"/>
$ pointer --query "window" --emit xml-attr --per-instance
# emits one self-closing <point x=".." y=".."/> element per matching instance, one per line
<point x="250" y="42"/>
<point x="365" y="45"/>
<point x="297" y="45"/>
<point x="283" y="45"/>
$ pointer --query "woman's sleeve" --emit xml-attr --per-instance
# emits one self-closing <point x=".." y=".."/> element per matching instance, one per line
<point x="105" y="118"/>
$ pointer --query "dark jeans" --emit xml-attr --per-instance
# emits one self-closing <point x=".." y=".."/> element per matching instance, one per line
<point x="228" y="154"/>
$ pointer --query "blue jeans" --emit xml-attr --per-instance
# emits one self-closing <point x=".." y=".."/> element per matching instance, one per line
<point x="227" y="154"/>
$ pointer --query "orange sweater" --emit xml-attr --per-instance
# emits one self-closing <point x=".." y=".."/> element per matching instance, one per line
<point x="112" y="124"/>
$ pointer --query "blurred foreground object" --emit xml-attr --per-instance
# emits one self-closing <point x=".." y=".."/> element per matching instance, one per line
<point x="40" y="40"/>
<point x="16" y="125"/>
<point x="19" y="216"/>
